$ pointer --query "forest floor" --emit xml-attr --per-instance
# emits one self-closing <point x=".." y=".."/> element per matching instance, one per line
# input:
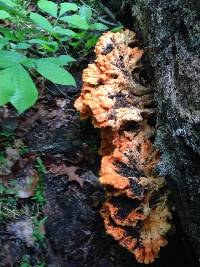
<point x="49" y="192"/>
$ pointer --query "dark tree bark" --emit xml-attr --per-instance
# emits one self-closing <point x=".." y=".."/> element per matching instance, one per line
<point x="170" y="33"/>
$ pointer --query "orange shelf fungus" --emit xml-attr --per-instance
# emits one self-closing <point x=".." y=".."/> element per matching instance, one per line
<point x="120" y="102"/>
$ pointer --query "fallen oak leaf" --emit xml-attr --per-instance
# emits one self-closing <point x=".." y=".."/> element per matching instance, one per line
<point x="62" y="169"/>
<point x="58" y="169"/>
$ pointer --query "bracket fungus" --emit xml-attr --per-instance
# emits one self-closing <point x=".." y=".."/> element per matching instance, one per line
<point x="120" y="102"/>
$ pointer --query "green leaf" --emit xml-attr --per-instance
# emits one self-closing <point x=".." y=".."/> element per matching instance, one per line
<point x="53" y="46"/>
<point x="17" y="88"/>
<point x="54" y="73"/>
<point x="4" y="14"/>
<point x="75" y="44"/>
<point x="48" y="59"/>
<point x="37" y="41"/>
<point x="63" y="31"/>
<point x="30" y="63"/>
<point x="50" y="47"/>
<point x="61" y="60"/>
<point x="64" y="7"/>
<point x="49" y="7"/>
<point x="117" y="29"/>
<point x="91" y="42"/>
<point x="3" y="42"/>
<point x="22" y="46"/>
<point x="85" y="13"/>
<point x="76" y="21"/>
<point x="64" y="39"/>
<point x="81" y="35"/>
<point x="98" y="27"/>
<point x="22" y="34"/>
<point x="8" y="34"/>
<point x="41" y="21"/>
<point x="10" y="58"/>
<point x="8" y="3"/>
<point x="64" y="59"/>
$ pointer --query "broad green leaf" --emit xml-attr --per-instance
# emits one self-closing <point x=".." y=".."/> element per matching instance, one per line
<point x="49" y="59"/>
<point x="37" y="41"/>
<point x="8" y="3"/>
<point x="30" y="63"/>
<point x="45" y="45"/>
<point x="61" y="60"/>
<point x="91" y="42"/>
<point x="81" y="35"/>
<point x="85" y="13"/>
<point x="117" y="29"/>
<point x="20" y="34"/>
<point x="64" y="7"/>
<point x="41" y="21"/>
<point x="63" y="31"/>
<point x="8" y="34"/>
<point x="76" y="21"/>
<point x="6" y="90"/>
<point x="74" y="44"/>
<point x="49" y="7"/>
<point x="64" y="39"/>
<point x="98" y="27"/>
<point x="10" y="58"/>
<point x="42" y="42"/>
<point x="64" y="59"/>
<point x="3" y="42"/>
<point x="50" y="47"/>
<point x="17" y="87"/>
<point x="4" y="14"/>
<point x="22" y="46"/>
<point x="54" y="73"/>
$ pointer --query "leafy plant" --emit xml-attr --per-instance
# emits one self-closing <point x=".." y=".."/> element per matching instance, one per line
<point x="25" y="261"/>
<point x="39" y="194"/>
<point x="23" y="150"/>
<point x="33" y="43"/>
<point x="38" y="233"/>
<point x="25" y="264"/>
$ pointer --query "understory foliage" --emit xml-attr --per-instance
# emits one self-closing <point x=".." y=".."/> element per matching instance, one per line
<point x="36" y="40"/>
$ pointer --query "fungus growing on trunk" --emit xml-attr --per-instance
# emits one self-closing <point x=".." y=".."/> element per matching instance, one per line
<point x="120" y="102"/>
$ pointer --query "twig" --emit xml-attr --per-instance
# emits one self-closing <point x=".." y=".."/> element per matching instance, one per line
<point x="107" y="22"/>
<point x="108" y="12"/>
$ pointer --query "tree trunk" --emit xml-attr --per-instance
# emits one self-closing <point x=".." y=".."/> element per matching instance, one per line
<point x="170" y="33"/>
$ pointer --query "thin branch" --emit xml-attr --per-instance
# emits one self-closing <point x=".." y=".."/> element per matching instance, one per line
<point x="107" y="11"/>
<point x="107" y="22"/>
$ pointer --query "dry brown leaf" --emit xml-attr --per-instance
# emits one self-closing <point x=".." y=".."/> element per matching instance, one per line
<point x="69" y="171"/>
